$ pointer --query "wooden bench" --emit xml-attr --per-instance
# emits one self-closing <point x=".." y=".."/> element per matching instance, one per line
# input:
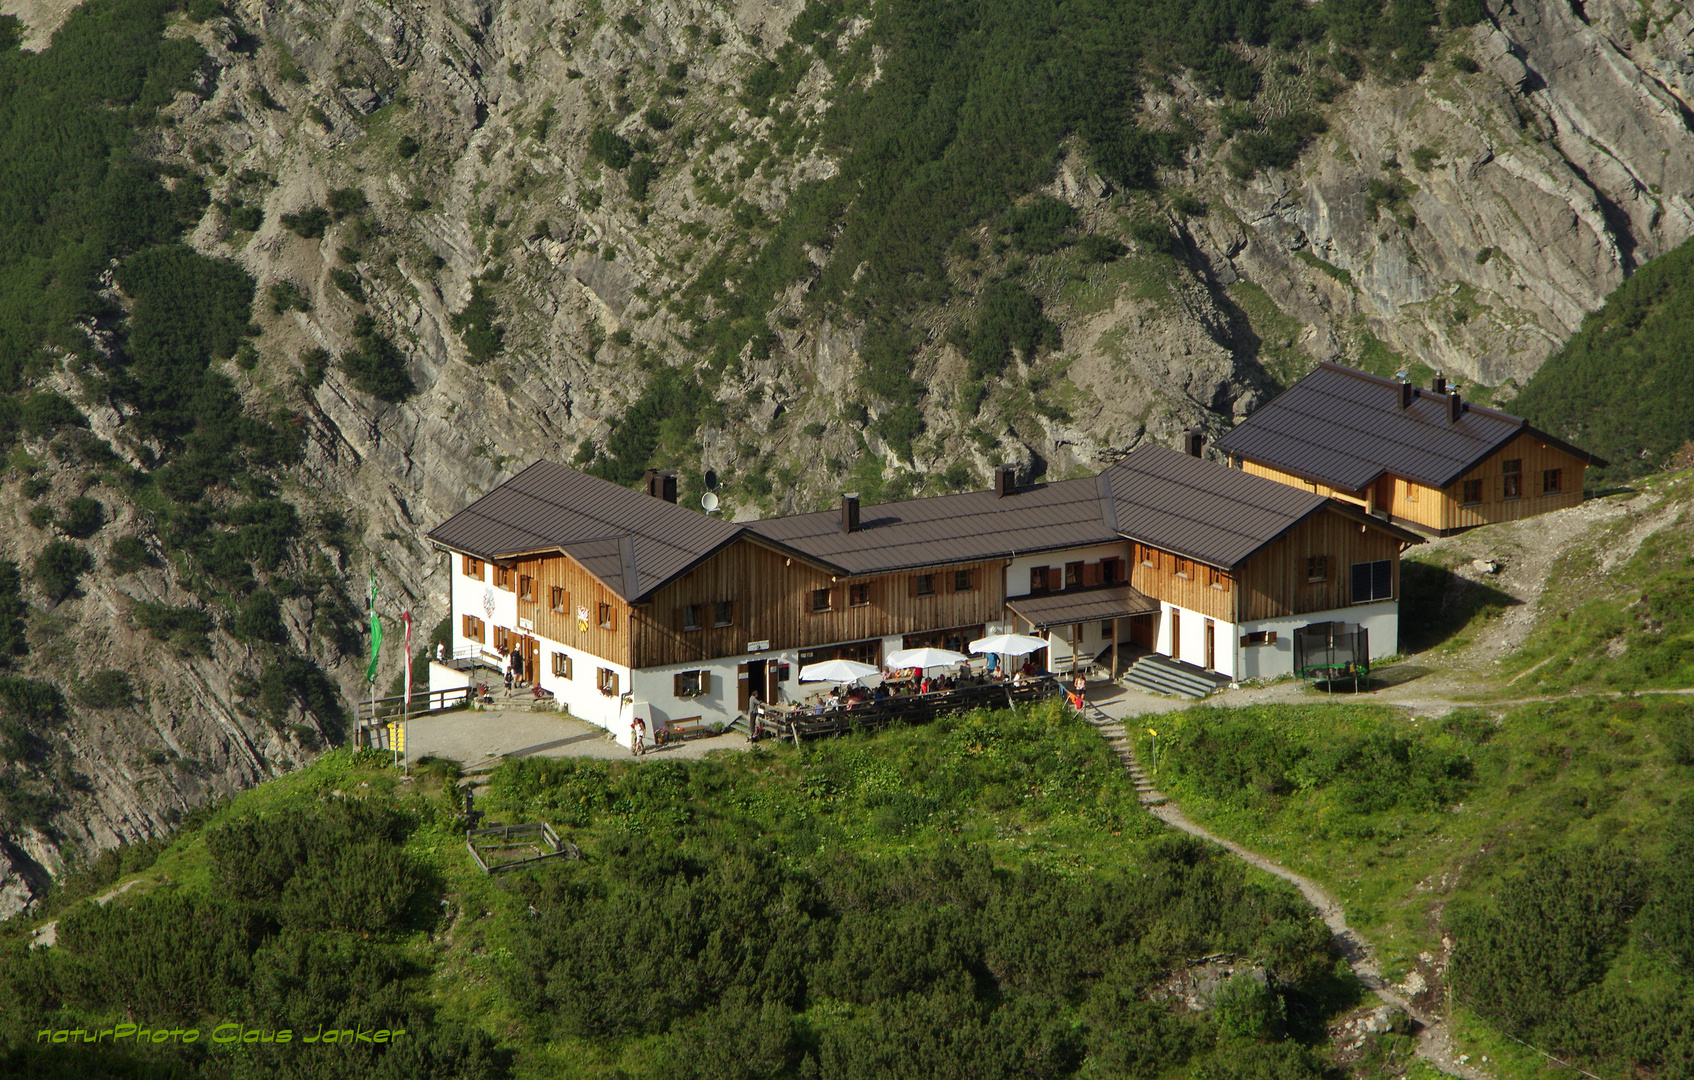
<point x="689" y="727"/>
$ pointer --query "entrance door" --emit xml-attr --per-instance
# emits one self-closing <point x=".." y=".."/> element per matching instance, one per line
<point x="1141" y="631"/>
<point x="750" y="678"/>
<point x="1176" y="634"/>
<point x="531" y="659"/>
<point x="1211" y="645"/>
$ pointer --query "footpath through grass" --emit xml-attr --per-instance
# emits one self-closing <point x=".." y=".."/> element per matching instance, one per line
<point x="1553" y="843"/>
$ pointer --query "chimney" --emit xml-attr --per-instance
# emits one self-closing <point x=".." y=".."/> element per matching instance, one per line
<point x="661" y="484"/>
<point x="1005" y="481"/>
<point x="1192" y="440"/>
<point x="850" y="513"/>
<point x="1438" y="384"/>
<point x="1407" y="393"/>
<point x="1455" y="406"/>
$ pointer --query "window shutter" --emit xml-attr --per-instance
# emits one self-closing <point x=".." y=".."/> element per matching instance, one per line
<point x="705" y="683"/>
<point x="975" y="573"/>
<point x="1055" y="578"/>
<point x="912" y="586"/>
<point x="1091" y="574"/>
<point x="676" y="685"/>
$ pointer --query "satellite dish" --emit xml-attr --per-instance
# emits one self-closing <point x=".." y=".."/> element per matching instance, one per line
<point x="711" y="480"/>
<point x="709" y="502"/>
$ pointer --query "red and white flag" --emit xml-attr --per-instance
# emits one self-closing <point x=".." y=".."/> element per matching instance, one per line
<point x="406" y="617"/>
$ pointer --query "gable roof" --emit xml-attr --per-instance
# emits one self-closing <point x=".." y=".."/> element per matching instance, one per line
<point x="629" y="540"/>
<point x="635" y="543"/>
<point x="950" y="528"/>
<point x="1344" y="427"/>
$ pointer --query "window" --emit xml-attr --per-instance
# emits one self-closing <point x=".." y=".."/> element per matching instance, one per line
<point x="526" y="587"/>
<point x="690" y="617"/>
<point x="1317" y="567"/>
<point x="561" y="599"/>
<point x="473" y="629"/>
<point x="859" y="595"/>
<point x="1073" y="575"/>
<point x="1259" y="637"/>
<point x="606" y="622"/>
<point x="473" y="567"/>
<point x="923" y="585"/>
<point x="1111" y="571"/>
<point x="1037" y="579"/>
<point x="1473" y="492"/>
<point x="1108" y="629"/>
<point x="722" y="613"/>
<point x="1184" y="567"/>
<point x="691" y="683"/>
<point x="1216" y="578"/>
<point x="820" y="600"/>
<point x="964" y="580"/>
<point x="1511" y="478"/>
<point x="1373" y="581"/>
<point x="503" y="577"/>
<point x="606" y="681"/>
<point x="562" y="665"/>
<point x="1552" y="481"/>
<point x="502" y="639"/>
<point x="1149" y="556"/>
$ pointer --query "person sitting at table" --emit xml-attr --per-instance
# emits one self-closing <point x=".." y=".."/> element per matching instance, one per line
<point x="1020" y="678"/>
<point x="964" y="669"/>
<point x="817" y="707"/>
<point x="923" y="687"/>
<point x="880" y="693"/>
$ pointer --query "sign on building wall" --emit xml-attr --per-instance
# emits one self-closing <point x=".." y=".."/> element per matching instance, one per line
<point x="758" y="646"/>
<point x="581" y="619"/>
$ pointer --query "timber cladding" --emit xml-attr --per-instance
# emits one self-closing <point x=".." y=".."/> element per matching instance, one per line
<point x="1282" y="578"/>
<point x="581" y="594"/>
<point x="1492" y="482"/>
<point x="1183" y="582"/>
<point x="794" y="604"/>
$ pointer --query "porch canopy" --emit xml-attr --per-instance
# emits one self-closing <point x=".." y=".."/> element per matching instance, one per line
<point x="1079" y="606"/>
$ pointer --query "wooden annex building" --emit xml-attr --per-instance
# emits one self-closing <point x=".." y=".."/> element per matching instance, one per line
<point x="1424" y="458"/>
<point x="623" y="603"/>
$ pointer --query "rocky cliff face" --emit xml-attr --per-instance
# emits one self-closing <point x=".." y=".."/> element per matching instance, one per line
<point x="1466" y="221"/>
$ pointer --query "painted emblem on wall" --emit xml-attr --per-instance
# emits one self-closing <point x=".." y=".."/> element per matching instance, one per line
<point x="488" y="602"/>
<point x="581" y="619"/>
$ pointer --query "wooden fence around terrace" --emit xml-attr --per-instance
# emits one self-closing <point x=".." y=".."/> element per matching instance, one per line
<point x="874" y="715"/>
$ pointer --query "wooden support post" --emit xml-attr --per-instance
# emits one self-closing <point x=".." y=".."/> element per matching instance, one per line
<point x="1076" y="643"/>
<point x="1117" y="632"/>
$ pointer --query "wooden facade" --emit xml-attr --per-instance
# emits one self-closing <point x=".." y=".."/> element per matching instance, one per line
<point x="1479" y="497"/>
<point x="1278" y="579"/>
<point x="774" y="598"/>
<point x="579" y="590"/>
<point x="1184" y="583"/>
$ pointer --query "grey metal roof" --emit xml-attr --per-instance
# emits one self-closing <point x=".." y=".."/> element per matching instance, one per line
<point x="950" y="528"/>
<point x="1202" y="509"/>
<point x="1345" y="427"/>
<point x="629" y="540"/>
<point x="1086" y="605"/>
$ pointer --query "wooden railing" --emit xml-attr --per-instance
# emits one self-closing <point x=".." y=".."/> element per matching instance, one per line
<point x="798" y="724"/>
<point x="387" y="709"/>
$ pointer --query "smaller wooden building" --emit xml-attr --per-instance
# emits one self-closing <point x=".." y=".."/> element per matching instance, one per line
<point x="1421" y="457"/>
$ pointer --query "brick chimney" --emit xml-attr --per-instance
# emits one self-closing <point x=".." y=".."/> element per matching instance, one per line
<point x="850" y="513"/>
<point x="1005" y="481"/>
<point x="1407" y="394"/>
<point x="1438" y="384"/>
<point x="1455" y="406"/>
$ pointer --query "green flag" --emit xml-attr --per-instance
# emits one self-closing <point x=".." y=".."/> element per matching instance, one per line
<point x="376" y="631"/>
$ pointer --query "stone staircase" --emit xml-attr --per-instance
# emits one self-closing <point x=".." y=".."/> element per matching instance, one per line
<point x="1162" y="675"/>
<point x="1117" y="737"/>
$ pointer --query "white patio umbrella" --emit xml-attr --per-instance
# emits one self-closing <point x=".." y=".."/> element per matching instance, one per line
<point x="925" y="658"/>
<point x="1008" y="644"/>
<point x="839" y="671"/>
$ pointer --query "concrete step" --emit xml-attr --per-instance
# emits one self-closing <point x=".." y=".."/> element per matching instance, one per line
<point x="1163" y="675"/>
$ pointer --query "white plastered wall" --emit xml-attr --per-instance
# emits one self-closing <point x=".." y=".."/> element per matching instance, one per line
<point x="1381" y="620"/>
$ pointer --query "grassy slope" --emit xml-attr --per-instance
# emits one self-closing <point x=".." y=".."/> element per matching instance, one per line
<point x="1546" y="776"/>
<point x="1037" y="791"/>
